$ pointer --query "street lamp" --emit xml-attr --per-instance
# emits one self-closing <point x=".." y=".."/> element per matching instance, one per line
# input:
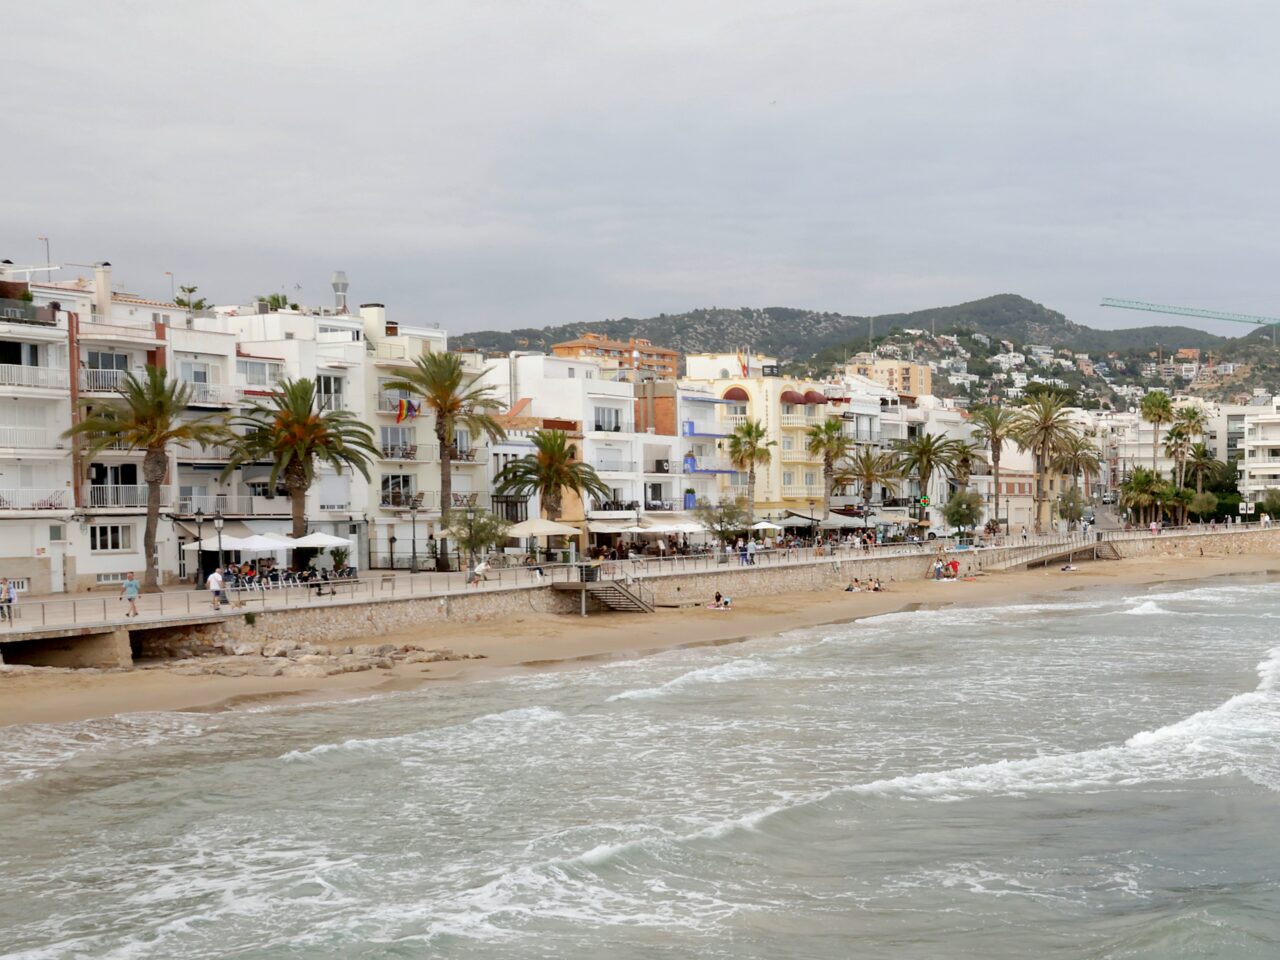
<point x="199" y="544"/>
<point x="217" y="525"/>
<point x="413" y="521"/>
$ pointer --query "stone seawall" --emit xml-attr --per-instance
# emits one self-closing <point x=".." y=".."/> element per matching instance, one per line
<point x="1203" y="544"/>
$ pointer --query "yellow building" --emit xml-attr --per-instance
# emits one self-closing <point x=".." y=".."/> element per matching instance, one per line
<point x="786" y="408"/>
<point x="900" y="376"/>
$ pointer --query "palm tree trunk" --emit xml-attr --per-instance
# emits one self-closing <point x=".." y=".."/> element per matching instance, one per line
<point x="995" y="479"/>
<point x="446" y="493"/>
<point x="1155" y="444"/>
<point x="751" y="496"/>
<point x="828" y="474"/>
<point x="154" y="466"/>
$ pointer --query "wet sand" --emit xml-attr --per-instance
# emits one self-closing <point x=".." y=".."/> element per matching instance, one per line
<point x="545" y="641"/>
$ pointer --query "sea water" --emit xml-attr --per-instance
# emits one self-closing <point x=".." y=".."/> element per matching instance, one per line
<point x="1088" y="775"/>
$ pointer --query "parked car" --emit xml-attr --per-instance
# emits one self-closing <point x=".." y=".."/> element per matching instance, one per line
<point x="1109" y="497"/>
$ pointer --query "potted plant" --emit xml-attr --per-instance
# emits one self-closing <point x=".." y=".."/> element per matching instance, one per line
<point x="690" y="498"/>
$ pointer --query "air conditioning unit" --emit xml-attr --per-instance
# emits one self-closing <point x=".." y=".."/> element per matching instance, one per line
<point x="662" y="466"/>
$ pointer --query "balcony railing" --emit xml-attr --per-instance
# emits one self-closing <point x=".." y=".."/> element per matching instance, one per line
<point x="204" y="451"/>
<point x="132" y="329"/>
<point x="732" y="420"/>
<point x="795" y="420"/>
<point x="416" y="452"/>
<point x="622" y="426"/>
<point x="35" y="499"/>
<point x="38" y="438"/>
<point x="706" y="465"/>
<point x="232" y="505"/>
<point x="801" y="491"/>
<point x="23" y="311"/>
<point x="210" y="394"/>
<point x="698" y="428"/>
<point x="113" y="495"/>
<point x="390" y="351"/>
<point x="609" y="465"/>
<point x="403" y="500"/>
<point x="799" y="455"/>
<point x="465" y="455"/>
<point x="101" y="381"/>
<point x="15" y="375"/>
<point x="388" y="404"/>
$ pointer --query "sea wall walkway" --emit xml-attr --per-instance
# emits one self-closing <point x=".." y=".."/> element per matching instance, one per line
<point x="93" y="631"/>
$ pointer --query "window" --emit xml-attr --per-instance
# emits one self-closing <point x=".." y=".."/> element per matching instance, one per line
<point x="588" y="374"/>
<point x="397" y="489"/>
<point x="110" y="537"/>
<point x="788" y="408"/>
<point x="57" y="532"/>
<point x="328" y="392"/>
<point x="788" y="443"/>
<point x="571" y="373"/>
<point x="737" y="409"/>
<point x="397" y="437"/>
<point x="111" y="577"/>
<point x="788" y="478"/>
<point x="104" y="360"/>
<point x="607" y="418"/>
<point x="259" y="373"/>
<point x="810" y="478"/>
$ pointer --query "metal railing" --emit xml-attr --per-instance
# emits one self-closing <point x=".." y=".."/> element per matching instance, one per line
<point x="331" y="401"/>
<point x="118" y="495"/>
<point x="35" y="499"/>
<point x="511" y="572"/>
<point x="416" y="452"/>
<point x="37" y="438"/>
<point x="243" y="505"/>
<point x="101" y="381"/>
<point x="213" y="394"/>
<point x="17" y="375"/>
<point x="389" y="351"/>
<point x="614" y="466"/>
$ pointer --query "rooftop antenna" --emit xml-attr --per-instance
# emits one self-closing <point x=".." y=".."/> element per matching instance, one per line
<point x="340" y="290"/>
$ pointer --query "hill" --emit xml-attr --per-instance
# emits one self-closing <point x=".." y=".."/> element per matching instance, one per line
<point x="793" y="334"/>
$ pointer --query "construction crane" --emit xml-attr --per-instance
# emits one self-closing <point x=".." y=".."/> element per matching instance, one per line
<point x="1271" y="322"/>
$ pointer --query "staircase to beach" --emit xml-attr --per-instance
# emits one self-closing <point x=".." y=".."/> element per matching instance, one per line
<point x="612" y="594"/>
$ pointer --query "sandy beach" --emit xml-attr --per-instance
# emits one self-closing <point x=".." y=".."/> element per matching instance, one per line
<point x="541" y="642"/>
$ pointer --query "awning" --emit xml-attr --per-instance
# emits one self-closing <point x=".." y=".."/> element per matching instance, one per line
<point x="609" y="526"/>
<point x="792" y="396"/>
<point x="736" y="393"/>
<point x="813" y="396"/>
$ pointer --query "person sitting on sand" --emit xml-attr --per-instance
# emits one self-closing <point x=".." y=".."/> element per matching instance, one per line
<point x="727" y="603"/>
<point x="855" y="586"/>
<point x="876" y="586"/>
<point x="1069" y="568"/>
<point x="717" y="602"/>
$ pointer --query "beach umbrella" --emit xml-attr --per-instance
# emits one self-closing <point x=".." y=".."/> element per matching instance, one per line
<point x="538" y="527"/>
<point x="211" y="543"/>
<point x="261" y="544"/>
<point x="764" y="525"/>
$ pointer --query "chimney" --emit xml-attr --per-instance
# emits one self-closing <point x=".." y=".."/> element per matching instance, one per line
<point x="340" y="291"/>
<point x="102" y="290"/>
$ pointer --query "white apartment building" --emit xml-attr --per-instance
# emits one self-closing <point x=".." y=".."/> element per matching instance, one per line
<point x="1259" y="468"/>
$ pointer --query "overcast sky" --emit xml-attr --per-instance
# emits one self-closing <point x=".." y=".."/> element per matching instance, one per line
<point x="485" y="164"/>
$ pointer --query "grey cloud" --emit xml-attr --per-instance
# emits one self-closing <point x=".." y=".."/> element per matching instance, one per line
<point x="489" y="163"/>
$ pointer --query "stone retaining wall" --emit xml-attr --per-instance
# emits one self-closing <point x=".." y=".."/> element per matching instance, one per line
<point x="1196" y="545"/>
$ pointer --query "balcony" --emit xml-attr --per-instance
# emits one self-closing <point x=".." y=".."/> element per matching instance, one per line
<point x="404" y="500"/>
<point x="232" y="505"/>
<point x="698" y="428"/>
<point x="116" y="330"/>
<point x="35" y="499"/>
<point x="41" y="378"/>
<point x="663" y="467"/>
<point x="412" y="452"/>
<point x="694" y="464"/>
<point x="610" y="465"/>
<point x="735" y="419"/>
<point x="390" y="354"/>
<point x="204" y="451"/>
<point x="101" y="381"/>
<point x="799" y="455"/>
<point x="465" y="456"/>
<point x="210" y="394"/>
<point x="114" y="495"/>
<point x="801" y="491"/>
<point x="388" y="404"/>
<point x="622" y="426"/>
<point x="794" y="420"/>
<point x="23" y="311"/>
<point x="35" y="438"/>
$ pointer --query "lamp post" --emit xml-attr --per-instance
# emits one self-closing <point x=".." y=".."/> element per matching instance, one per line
<point x="199" y="544"/>
<point x="413" y="541"/>
<point x="217" y="525"/>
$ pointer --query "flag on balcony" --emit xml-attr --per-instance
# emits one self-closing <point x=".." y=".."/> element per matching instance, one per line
<point x="408" y="411"/>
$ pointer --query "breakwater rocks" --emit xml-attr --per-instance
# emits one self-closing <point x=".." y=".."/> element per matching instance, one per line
<point x="284" y="658"/>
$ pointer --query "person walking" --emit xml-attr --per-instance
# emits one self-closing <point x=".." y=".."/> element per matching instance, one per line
<point x="751" y="552"/>
<point x="129" y="590"/>
<point x="214" y="583"/>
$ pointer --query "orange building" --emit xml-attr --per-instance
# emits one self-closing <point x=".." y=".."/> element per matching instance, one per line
<point x="635" y="356"/>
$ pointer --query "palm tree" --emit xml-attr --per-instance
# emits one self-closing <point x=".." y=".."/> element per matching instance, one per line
<point x="289" y="429"/>
<point x="1043" y="425"/>
<point x="994" y="426"/>
<point x="748" y="449"/>
<point x="1076" y="456"/>
<point x="869" y="469"/>
<point x="828" y="441"/>
<point x="148" y="417"/>
<point x="550" y="470"/>
<point x="451" y="394"/>
<point x="1177" y="445"/>
<point x="963" y="453"/>
<point x="1202" y="464"/>
<point x="924" y="455"/>
<point x="1192" y="422"/>
<point x="1140" y="492"/>
<point x="1157" y="410"/>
